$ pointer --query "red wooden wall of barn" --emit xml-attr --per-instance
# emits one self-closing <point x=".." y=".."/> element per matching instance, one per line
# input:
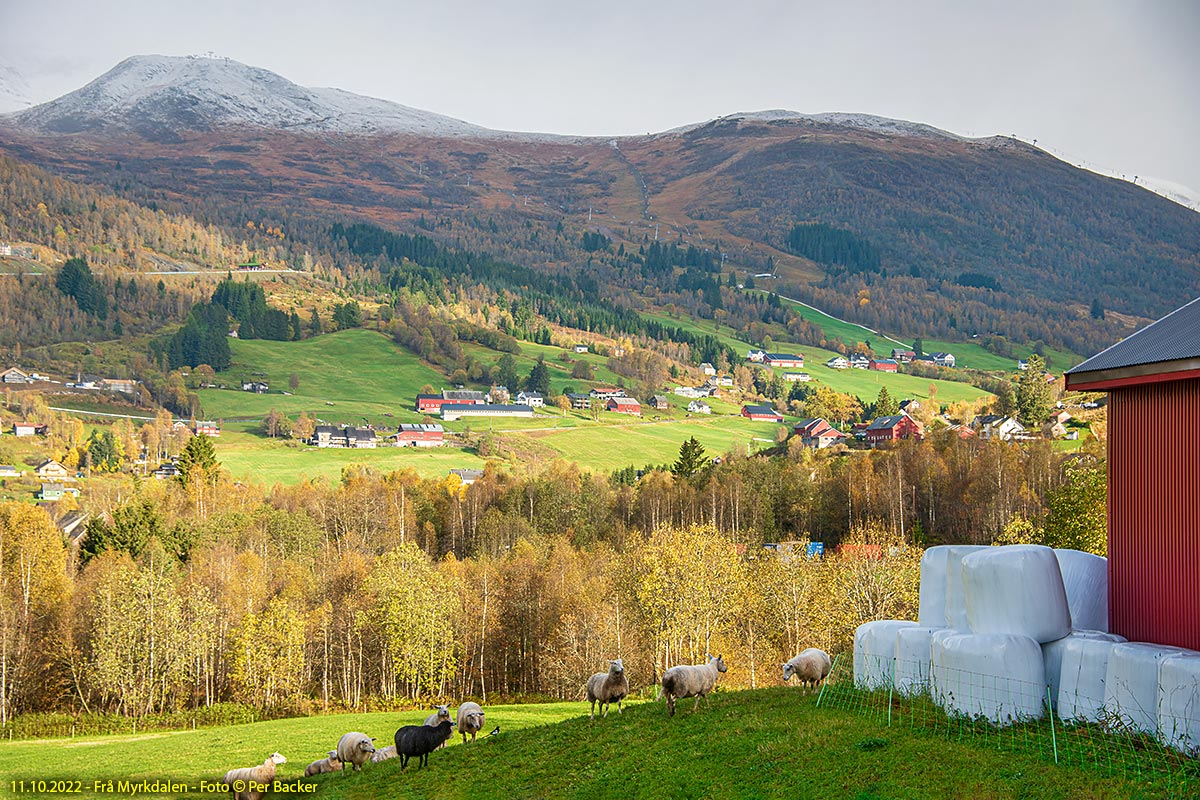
<point x="1154" y="513"/>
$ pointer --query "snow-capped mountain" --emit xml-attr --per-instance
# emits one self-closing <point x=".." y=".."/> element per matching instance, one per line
<point x="14" y="90"/>
<point x="156" y="95"/>
<point x="865" y="122"/>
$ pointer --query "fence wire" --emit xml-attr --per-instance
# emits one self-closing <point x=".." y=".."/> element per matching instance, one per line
<point x="1010" y="715"/>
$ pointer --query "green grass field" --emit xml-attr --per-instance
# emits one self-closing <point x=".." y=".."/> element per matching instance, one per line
<point x="605" y="448"/>
<point x="766" y="743"/>
<point x="861" y="383"/>
<point x="267" y="461"/>
<point x="345" y="377"/>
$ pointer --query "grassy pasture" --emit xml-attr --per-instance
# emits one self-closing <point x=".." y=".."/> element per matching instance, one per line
<point x="766" y="743"/>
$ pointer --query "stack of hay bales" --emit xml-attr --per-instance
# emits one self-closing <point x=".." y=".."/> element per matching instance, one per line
<point x="1005" y="632"/>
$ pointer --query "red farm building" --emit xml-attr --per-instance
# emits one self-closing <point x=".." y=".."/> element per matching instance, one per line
<point x="624" y="405"/>
<point x="1153" y="382"/>
<point x="890" y="429"/>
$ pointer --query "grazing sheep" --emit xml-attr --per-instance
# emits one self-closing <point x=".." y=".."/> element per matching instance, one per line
<point x="440" y="715"/>
<point x="607" y="688"/>
<point x="249" y="778"/>
<point x="355" y="749"/>
<point x="688" y="680"/>
<point x="418" y="741"/>
<point x="811" y="667"/>
<point x="329" y="764"/>
<point x="470" y="720"/>
<point x="384" y="753"/>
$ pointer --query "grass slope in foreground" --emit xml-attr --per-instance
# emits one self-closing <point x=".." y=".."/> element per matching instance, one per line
<point x="769" y="743"/>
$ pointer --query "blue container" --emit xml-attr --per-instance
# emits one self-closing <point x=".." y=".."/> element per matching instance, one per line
<point x="815" y="549"/>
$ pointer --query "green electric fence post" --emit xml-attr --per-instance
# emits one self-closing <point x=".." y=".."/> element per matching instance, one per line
<point x="1053" y="735"/>
<point x="825" y="683"/>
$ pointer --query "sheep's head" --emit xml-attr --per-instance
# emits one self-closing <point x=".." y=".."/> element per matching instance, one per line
<point x="475" y="719"/>
<point x="788" y="672"/>
<point x="333" y="755"/>
<point x="278" y="758"/>
<point x="616" y="667"/>
<point x="720" y="662"/>
<point x="366" y="745"/>
<point x="443" y="712"/>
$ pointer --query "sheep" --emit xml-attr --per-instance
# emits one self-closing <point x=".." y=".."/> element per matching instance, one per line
<point x="607" y="688"/>
<point x="470" y="720"/>
<point x="811" y="667"/>
<point x="384" y="753"/>
<point x="688" y="680"/>
<point x="246" y="782"/>
<point x="440" y="715"/>
<point x="329" y="764"/>
<point x="420" y="740"/>
<point x="355" y="749"/>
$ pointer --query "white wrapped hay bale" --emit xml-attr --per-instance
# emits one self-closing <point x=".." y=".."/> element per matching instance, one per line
<point x="956" y="609"/>
<point x="932" y="609"/>
<point x="1052" y="654"/>
<point x="1085" y="579"/>
<point x="1179" y="702"/>
<point x="999" y="677"/>
<point x="1131" y="683"/>
<point x="1016" y="589"/>
<point x="875" y="652"/>
<point x="912" y="659"/>
<point x="1082" y="673"/>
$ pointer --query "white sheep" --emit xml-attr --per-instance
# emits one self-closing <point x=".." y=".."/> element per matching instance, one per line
<point x="607" y="688"/>
<point x="246" y="781"/>
<point x="440" y="714"/>
<point x="384" y="753"/>
<point x="355" y="749"/>
<point x="691" y="680"/>
<point x="327" y="764"/>
<point x="470" y="720"/>
<point x="811" y="667"/>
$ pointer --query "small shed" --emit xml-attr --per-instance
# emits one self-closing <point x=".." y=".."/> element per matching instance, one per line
<point x="1153" y="382"/>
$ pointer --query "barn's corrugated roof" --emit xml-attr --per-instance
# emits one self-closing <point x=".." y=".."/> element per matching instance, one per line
<point x="1176" y="336"/>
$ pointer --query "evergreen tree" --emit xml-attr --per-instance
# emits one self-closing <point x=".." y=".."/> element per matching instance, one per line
<point x="918" y="347"/>
<point x="885" y="406"/>
<point x="539" y="379"/>
<point x="1097" y="309"/>
<point x="314" y="324"/>
<point x="104" y="451"/>
<point x="1033" y="394"/>
<point x="347" y="315"/>
<point x="198" y="461"/>
<point x="691" y="458"/>
<point x="295" y="324"/>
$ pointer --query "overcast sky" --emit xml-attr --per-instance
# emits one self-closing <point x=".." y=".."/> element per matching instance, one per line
<point x="1112" y="85"/>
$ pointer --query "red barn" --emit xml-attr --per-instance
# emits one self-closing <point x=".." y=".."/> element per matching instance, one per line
<point x="420" y="435"/>
<point x="1153" y="381"/>
<point x="762" y="413"/>
<point x="783" y="360"/>
<point x="883" y="365"/>
<point x="624" y="405"/>
<point x="890" y="429"/>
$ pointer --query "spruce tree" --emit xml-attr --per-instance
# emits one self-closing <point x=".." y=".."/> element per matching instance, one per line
<point x="691" y="458"/>
<point x="198" y="461"/>
<point x="1033" y="394"/>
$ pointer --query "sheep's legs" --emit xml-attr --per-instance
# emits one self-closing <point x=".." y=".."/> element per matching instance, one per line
<point x="619" y="709"/>
<point x="592" y="715"/>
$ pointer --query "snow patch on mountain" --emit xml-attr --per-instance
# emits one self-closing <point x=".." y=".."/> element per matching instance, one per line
<point x="866" y="122"/>
<point x="167" y="94"/>
<point x="14" y="89"/>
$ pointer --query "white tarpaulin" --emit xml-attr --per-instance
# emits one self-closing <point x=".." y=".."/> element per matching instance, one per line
<point x="1000" y="677"/>
<point x="1016" y="589"/>
<point x="912" y="659"/>
<point x="1131" y="683"/>
<point x="1085" y="579"/>
<point x="875" y="652"/>
<point x="1082" y="674"/>
<point x="932" y="610"/>
<point x="1179" y="702"/>
<point x="956" y="609"/>
<point x="1052" y="653"/>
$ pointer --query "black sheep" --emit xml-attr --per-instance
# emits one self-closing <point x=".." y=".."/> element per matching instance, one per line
<point x="421" y="740"/>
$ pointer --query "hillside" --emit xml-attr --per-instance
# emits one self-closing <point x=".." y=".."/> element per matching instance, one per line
<point x="966" y="236"/>
<point x="770" y="743"/>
